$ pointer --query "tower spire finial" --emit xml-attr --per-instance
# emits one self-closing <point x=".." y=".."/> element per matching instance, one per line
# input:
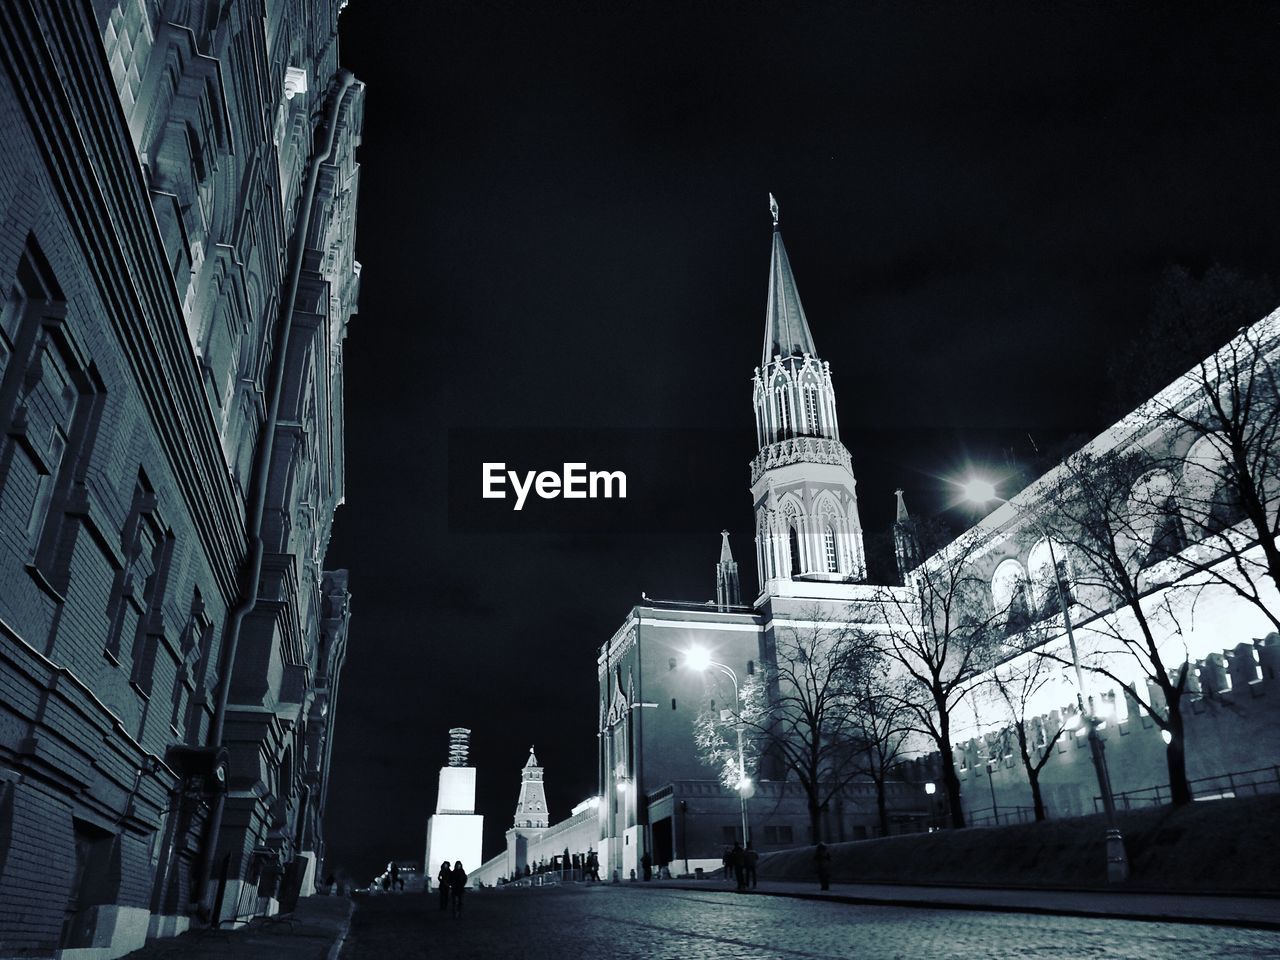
<point x="773" y="209"/>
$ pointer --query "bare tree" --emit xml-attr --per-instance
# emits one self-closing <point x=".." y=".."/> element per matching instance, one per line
<point x="1108" y="537"/>
<point x="807" y="714"/>
<point x="942" y="634"/>
<point x="1228" y="421"/>
<point x="884" y="722"/>
<point x="1018" y="683"/>
<point x="1205" y="367"/>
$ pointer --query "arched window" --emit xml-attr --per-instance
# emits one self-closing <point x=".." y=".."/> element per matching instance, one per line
<point x="1154" y="521"/>
<point x="1046" y="584"/>
<point x="1209" y="492"/>
<point x="794" y="539"/>
<point x="1009" y="594"/>
<point x="829" y="544"/>
<point x="784" y="410"/>
<point x="1170" y="536"/>
<point x="811" y="409"/>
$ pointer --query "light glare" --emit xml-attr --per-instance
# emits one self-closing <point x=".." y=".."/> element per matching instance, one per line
<point x="979" y="491"/>
<point x="698" y="658"/>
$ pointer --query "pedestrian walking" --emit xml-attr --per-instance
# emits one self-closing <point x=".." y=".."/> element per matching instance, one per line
<point x="593" y="865"/>
<point x="457" y="884"/>
<point x="445" y="880"/>
<point x="822" y="861"/>
<point x="725" y="860"/>
<point x="646" y="864"/>
<point x="738" y="862"/>
<point x="752" y="858"/>
<point x="396" y="883"/>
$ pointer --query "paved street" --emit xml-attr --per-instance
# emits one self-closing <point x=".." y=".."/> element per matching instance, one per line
<point x="638" y="922"/>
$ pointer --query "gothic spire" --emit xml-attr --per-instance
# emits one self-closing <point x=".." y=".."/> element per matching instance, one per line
<point x="902" y="506"/>
<point x="728" y="589"/>
<point x="786" y="330"/>
<point x="906" y="545"/>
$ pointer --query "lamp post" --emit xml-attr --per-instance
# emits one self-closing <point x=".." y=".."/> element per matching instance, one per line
<point x="982" y="492"/>
<point x="991" y="784"/>
<point x="699" y="659"/>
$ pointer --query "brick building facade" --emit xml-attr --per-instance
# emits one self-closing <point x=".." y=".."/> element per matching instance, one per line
<point x="177" y="197"/>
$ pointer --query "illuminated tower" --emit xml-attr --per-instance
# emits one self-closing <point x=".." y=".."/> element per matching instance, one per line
<point x="531" y="808"/>
<point x="531" y="820"/>
<point x="807" y="525"/>
<point x="454" y="831"/>
<point x="728" y="590"/>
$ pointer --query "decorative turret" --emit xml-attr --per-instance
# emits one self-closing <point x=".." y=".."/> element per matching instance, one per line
<point x="807" y="521"/>
<point x="531" y="808"/>
<point x="459" y="746"/>
<point x="728" y="591"/>
<point x="906" y="545"/>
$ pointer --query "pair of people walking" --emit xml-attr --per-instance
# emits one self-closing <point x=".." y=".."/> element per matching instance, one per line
<point x="452" y="882"/>
<point x="743" y="864"/>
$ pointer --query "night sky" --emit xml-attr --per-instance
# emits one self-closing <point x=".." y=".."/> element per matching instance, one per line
<point x="564" y="226"/>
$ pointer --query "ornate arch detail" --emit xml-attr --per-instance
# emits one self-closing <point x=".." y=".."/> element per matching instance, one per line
<point x="1010" y="593"/>
<point x="1040" y="575"/>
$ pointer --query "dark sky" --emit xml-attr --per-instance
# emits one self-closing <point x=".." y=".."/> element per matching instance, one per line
<point x="564" y="224"/>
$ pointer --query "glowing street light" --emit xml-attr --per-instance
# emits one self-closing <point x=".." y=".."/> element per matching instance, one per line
<point x="981" y="492"/>
<point x="699" y="659"/>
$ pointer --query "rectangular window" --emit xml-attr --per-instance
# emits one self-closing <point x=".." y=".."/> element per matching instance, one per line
<point x="829" y="541"/>
<point x="778" y="836"/>
<point x="44" y="489"/>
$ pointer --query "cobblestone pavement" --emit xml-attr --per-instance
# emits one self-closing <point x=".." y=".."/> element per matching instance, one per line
<point x="666" y="924"/>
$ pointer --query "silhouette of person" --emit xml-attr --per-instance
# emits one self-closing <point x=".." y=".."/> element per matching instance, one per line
<point x="738" y="861"/>
<point x="457" y="884"/>
<point x="445" y="879"/>
<point x="822" y="860"/>
<point x="751" y="858"/>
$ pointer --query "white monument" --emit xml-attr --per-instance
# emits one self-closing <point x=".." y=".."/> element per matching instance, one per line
<point x="454" y="831"/>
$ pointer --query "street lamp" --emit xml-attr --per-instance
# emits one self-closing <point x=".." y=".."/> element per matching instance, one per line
<point x="699" y="659"/>
<point x="981" y="492"/>
<point x="991" y="784"/>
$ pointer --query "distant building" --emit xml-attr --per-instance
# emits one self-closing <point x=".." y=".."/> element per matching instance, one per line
<point x="658" y="796"/>
<point x="177" y="211"/>
<point x="534" y="841"/>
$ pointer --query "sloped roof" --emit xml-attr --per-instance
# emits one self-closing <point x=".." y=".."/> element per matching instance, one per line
<point x="786" y="329"/>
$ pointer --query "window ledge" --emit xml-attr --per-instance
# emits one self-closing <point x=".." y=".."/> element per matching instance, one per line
<point x="44" y="583"/>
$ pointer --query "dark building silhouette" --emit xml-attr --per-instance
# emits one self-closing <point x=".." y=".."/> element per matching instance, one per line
<point x="177" y="201"/>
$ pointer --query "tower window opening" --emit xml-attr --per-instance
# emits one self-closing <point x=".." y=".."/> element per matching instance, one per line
<point x="829" y="541"/>
<point x="673" y="703"/>
<point x="811" y="409"/>
<point x="794" y="539"/>
<point x="784" y="413"/>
